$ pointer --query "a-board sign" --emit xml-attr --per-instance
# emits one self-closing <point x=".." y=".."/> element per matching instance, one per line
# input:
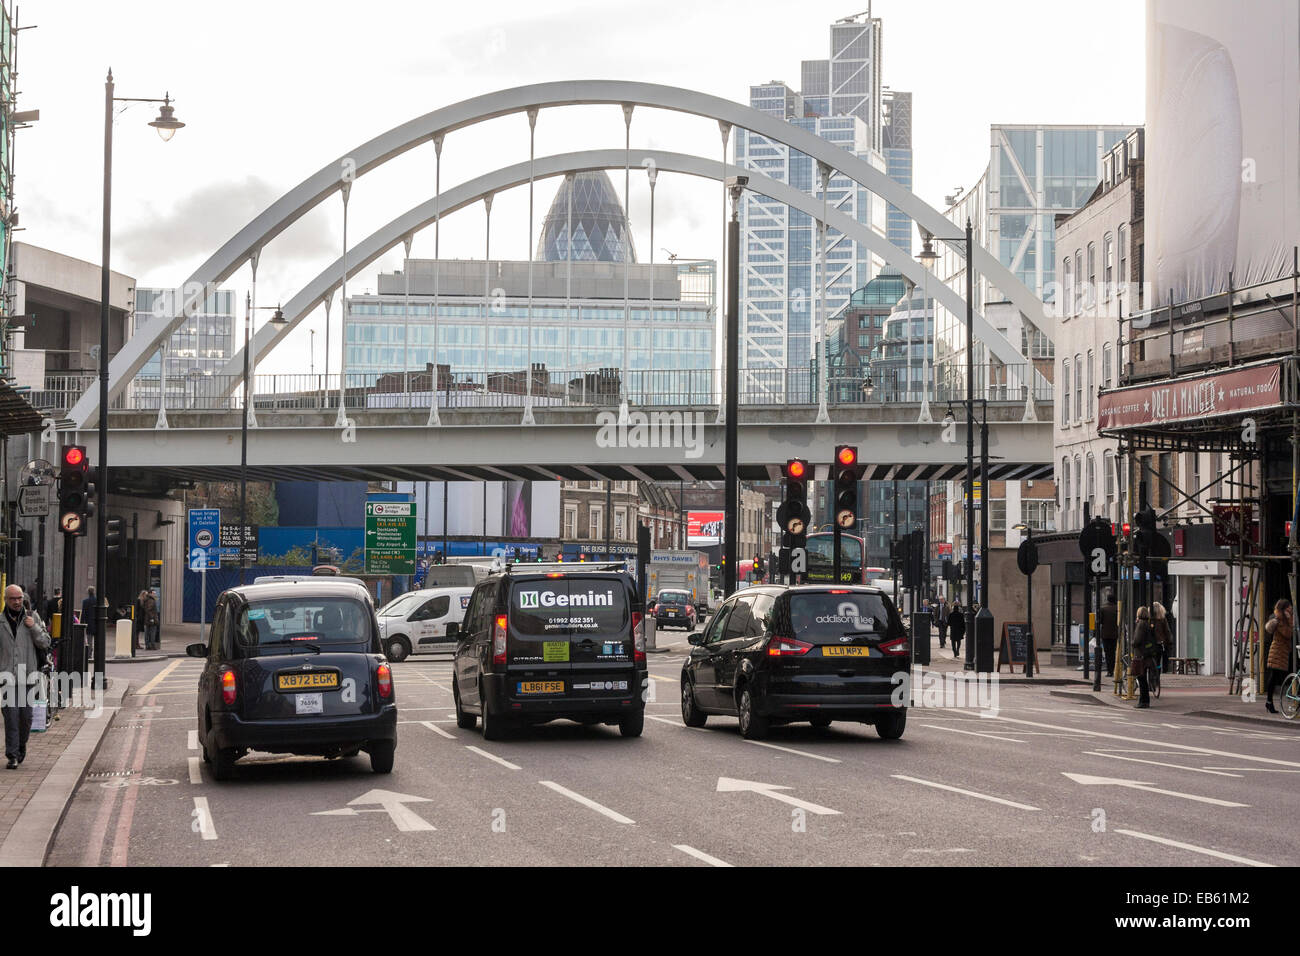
<point x="1015" y="646"/>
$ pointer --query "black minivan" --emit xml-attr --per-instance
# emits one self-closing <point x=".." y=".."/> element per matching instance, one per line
<point x="295" y="666"/>
<point x="774" y="654"/>
<point x="539" y="644"/>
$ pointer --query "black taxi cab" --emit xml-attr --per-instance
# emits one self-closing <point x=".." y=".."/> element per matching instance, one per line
<point x="295" y="666"/>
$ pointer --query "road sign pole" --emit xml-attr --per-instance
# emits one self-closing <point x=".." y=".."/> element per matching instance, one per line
<point x="203" y="601"/>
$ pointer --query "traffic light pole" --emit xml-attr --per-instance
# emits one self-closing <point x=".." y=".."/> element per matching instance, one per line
<point x="731" y="523"/>
<point x="101" y="556"/>
<point x="970" y="447"/>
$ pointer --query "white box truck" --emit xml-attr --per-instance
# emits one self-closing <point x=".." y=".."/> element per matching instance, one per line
<point x="681" y="570"/>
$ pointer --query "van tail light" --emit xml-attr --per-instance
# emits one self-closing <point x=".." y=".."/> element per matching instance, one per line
<point x="229" y="689"/>
<point x="499" y="640"/>
<point x="638" y="637"/>
<point x="786" y="647"/>
<point x="384" y="674"/>
<point x="895" y="648"/>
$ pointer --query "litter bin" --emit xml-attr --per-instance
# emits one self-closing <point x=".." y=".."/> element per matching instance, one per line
<point x="921" y="622"/>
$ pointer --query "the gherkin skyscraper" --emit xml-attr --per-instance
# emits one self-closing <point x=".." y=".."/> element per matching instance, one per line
<point x="600" y="226"/>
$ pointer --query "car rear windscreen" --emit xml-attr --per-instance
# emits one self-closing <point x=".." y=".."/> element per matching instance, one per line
<point x="278" y="624"/>
<point x="823" y="617"/>
<point x="549" y="607"/>
<point x="674" y="597"/>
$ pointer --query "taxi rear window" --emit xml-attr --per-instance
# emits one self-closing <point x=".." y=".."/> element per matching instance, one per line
<point x="545" y="608"/>
<point x="277" y="624"/>
<point x="674" y="597"/>
<point x="824" y="617"/>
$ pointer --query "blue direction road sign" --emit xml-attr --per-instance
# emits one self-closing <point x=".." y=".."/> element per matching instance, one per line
<point x="205" y="539"/>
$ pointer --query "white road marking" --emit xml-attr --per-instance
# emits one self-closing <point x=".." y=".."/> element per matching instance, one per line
<point x="437" y="730"/>
<point x="791" y="750"/>
<point x="691" y="851"/>
<point x="205" y="818"/>
<point x="192" y="741"/>
<point x="394" y="804"/>
<point x="1159" y="763"/>
<point x="493" y="757"/>
<point x="1089" y="780"/>
<point x="1254" y="769"/>
<point x="728" y="785"/>
<point x="665" y="720"/>
<point x="969" y="793"/>
<point x="590" y="804"/>
<point x="1195" y="849"/>
<point x="973" y="733"/>
<point x="196" y="769"/>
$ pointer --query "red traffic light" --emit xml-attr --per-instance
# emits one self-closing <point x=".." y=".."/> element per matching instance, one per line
<point x="1127" y="528"/>
<point x="846" y="455"/>
<point x="796" y="468"/>
<point x="73" y="455"/>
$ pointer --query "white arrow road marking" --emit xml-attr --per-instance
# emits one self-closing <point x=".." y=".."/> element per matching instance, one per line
<point x="493" y="757"/>
<point x="1089" y="780"/>
<point x="437" y="730"/>
<point x="691" y="851"/>
<point x="1159" y="763"/>
<point x="1195" y="849"/>
<point x="591" y="804"/>
<point x="728" y="785"/>
<point x="969" y="793"/>
<point x="973" y="733"/>
<point x="394" y="804"/>
<point x="791" y="750"/>
<point x="205" y="818"/>
<point x="196" y="769"/>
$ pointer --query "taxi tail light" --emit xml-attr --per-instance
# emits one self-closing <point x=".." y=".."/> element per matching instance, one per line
<point x="229" y="689"/>
<point x="638" y="637"/>
<point x="384" y="674"/>
<point x="895" y="648"/>
<point x="787" y="647"/>
<point x="499" y="640"/>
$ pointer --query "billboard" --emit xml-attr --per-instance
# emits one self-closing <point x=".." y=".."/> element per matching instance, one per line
<point x="1222" y="168"/>
<point x="703" y="528"/>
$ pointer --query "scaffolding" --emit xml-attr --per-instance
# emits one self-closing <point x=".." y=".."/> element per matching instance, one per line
<point x="1252" y="327"/>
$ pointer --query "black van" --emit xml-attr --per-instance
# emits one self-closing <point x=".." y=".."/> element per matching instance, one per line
<point x="539" y="643"/>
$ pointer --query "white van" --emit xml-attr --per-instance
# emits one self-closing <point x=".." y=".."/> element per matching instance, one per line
<point x="422" y="622"/>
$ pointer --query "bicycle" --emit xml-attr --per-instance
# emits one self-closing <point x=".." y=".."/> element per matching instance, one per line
<point x="1289" y="704"/>
<point x="1157" y="664"/>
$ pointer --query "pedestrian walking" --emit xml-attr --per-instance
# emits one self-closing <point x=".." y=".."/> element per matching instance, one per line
<point x="1109" y="630"/>
<point x="956" y="627"/>
<point x="1144" y="653"/>
<point x="1281" y="631"/>
<point x="941" y="621"/>
<point x="152" y="639"/>
<point x="23" y="640"/>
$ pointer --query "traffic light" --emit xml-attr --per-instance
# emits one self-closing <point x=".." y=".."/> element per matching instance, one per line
<point x="74" y="490"/>
<point x="113" y="534"/>
<point x="793" y="516"/>
<point x="847" y="474"/>
<point x="1145" y="520"/>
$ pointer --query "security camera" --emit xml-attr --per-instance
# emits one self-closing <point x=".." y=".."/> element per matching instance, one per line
<point x="737" y="182"/>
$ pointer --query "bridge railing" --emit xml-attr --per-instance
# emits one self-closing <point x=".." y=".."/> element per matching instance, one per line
<point x="603" y="387"/>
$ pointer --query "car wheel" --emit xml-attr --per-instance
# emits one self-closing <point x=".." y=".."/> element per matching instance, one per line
<point x="692" y="716"/>
<point x="494" y="727"/>
<point x="223" y="763"/>
<point x="890" y="727"/>
<point x="632" y="724"/>
<point x="753" y="726"/>
<point x="820" y="722"/>
<point x="381" y="755"/>
<point x="397" y="649"/>
<point x="463" y="720"/>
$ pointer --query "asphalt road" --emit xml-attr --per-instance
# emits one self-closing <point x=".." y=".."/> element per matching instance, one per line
<point x="959" y="789"/>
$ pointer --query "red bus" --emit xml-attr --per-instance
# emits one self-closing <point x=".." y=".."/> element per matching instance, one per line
<point x="821" y="558"/>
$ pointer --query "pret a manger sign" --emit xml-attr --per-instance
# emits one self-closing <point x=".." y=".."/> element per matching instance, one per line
<point x="1208" y="396"/>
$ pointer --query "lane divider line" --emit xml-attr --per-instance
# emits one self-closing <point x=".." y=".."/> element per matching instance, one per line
<point x="205" y="818"/>
<point x="973" y="733"/>
<point x="791" y="750"/>
<point x="192" y="741"/>
<point x="968" y="793"/>
<point x="436" y="729"/>
<point x="1161" y="763"/>
<point x="1194" y="849"/>
<point x="590" y="804"/>
<point x="196" y="769"/>
<point x="691" y="851"/>
<point x="493" y="757"/>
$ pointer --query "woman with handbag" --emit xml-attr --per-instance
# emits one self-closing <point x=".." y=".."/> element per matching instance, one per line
<point x="1144" y="651"/>
<point x="1281" y="628"/>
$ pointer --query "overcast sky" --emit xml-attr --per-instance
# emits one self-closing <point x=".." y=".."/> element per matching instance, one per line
<point x="273" y="90"/>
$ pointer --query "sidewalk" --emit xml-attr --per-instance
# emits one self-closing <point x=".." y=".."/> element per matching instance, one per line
<point x="34" y="797"/>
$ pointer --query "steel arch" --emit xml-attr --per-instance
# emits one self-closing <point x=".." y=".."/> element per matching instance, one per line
<point x="310" y="192"/>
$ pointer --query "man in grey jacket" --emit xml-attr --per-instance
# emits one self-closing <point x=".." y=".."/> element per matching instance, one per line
<point x="21" y="635"/>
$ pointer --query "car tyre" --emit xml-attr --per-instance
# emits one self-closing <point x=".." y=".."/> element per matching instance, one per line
<point x="632" y="724"/>
<point x="692" y="716"/>
<point x="223" y="763"/>
<point x="820" y="722"/>
<point x="753" y="725"/>
<point x="381" y="755"/>
<point x="891" y="726"/>
<point x="464" y="721"/>
<point x="494" y="726"/>
<point x="397" y="649"/>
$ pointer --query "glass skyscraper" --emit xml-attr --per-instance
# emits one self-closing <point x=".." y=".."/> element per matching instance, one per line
<point x="199" y="347"/>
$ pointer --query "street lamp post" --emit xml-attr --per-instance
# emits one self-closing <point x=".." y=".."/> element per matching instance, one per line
<point x="736" y="186"/>
<point x="166" y="124"/>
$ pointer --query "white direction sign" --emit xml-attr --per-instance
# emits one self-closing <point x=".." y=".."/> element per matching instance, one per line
<point x="394" y="804"/>
<point x="1088" y="780"/>
<point x="727" y="785"/>
<point x="34" y="501"/>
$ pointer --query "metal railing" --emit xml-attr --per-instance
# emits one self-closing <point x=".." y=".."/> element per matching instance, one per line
<point x="550" y="388"/>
